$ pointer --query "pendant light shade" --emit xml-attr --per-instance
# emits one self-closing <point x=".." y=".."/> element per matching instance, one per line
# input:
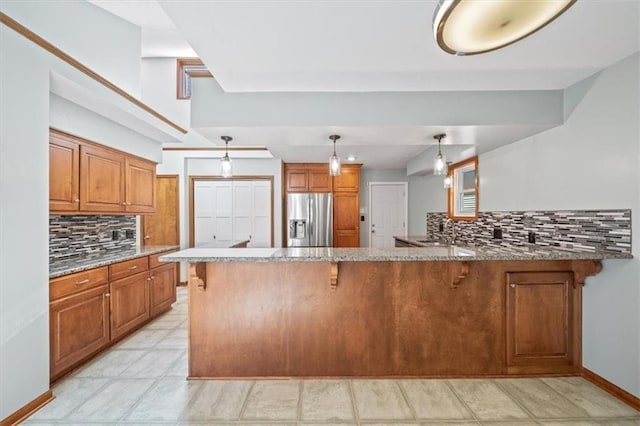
<point x="334" y="160"/>
<point x="448" y="180"/>
<point x="469" y="27"/>
<point x="440" y="162"/>
<point x="225" y="162"/>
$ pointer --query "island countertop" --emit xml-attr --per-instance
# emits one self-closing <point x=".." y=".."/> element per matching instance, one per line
<point x="401" y="254"/>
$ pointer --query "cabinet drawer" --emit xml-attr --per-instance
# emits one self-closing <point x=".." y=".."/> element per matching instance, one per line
<point x="74" y="283"/>
<point x="130" y="267"/>
<point x="154" y="262"/>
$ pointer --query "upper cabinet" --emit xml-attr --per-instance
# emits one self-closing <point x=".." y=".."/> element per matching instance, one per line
<point x="348" y="180"/>
<point x="87" y="178"/>
<point x="307" y="177"/>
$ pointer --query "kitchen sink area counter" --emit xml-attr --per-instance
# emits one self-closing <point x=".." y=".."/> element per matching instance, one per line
<point x="62" y="267"/>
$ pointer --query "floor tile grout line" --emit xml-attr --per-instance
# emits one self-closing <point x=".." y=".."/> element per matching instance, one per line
<point x="154" y="385"/>
<point x="406" y="399"/>
<point x="84" y="400"/>
<point x="514" y="399"/>
<point x="299" y="407"/>
<point x="354" y="405"/>
<point x="246" y="400"/>
<point x="544" y="382"/>
<point x="462" y="401"/>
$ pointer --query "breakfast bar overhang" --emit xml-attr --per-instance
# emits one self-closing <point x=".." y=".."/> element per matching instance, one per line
<point x="443" y="311"/>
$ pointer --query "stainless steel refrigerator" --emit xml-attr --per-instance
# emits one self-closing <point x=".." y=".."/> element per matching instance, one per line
<point x="310" y="220"/>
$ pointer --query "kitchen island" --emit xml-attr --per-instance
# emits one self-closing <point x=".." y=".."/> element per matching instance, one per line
<point x="444" y="311"/>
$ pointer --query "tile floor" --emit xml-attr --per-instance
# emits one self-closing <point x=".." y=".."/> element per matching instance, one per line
<point x="142" y="381"/>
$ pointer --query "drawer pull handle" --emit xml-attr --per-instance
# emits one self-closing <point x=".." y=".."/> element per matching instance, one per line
<point x="131" y="268"/>
<point x="83" y="281"/>
<point x="107" y="295"/>
<point x="512" y="285"/>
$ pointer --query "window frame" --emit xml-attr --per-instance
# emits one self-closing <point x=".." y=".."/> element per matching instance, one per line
<point x="455" y="192"/>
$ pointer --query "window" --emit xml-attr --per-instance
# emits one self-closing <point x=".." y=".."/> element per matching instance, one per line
<point x="463" y="193"/>
<point x="188" y="68"/>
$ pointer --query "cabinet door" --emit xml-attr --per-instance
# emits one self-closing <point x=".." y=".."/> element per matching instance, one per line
<point x="348" y="180"/>
<point x="319" y="179"/>
<point x="162" y="291"/>
<point x="346" y="219"/>
<point x="543" y="323"/>
<point x="129" y="303"/>
<point x="102" y="180"/>
<point x="140" y="186"/>
<point x="64" y="173"/>
<point x="296" y="179"/>
<point x="78" y="327"/>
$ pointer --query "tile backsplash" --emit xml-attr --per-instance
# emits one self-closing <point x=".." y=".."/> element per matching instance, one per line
<point x="79" y="236"/>
<point x="593" y="230"/>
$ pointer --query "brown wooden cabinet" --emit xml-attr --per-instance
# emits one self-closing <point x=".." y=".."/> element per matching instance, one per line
<point x="543" y="323"/>
<point x="78" y="327"/>
<point x="64" y="173"/>
<point x="129" y="303"/>
<point x="346" y="207"/>
<point x="307" y="177"/>
<point x="162" y="292"/>
<point x="85" y="177"/>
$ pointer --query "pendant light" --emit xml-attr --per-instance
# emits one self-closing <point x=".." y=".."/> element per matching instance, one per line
<point x="440" y="162"/>
<point x="469" y="27"/>
<point x="448" y="180"/>
<point x="334" y="160"/>
<point x="225" y="162"/>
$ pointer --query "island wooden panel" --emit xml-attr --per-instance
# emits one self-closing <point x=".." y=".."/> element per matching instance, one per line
<point x="283" y="319"/>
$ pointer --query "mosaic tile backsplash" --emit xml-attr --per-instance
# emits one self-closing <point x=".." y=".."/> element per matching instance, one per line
<point x="79" y="236"/>
<point x="593" y="230"/>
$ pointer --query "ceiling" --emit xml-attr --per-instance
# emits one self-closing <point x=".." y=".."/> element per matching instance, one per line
<point x="372" y="46"/>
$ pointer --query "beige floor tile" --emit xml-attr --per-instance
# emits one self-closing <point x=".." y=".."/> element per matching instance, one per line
<point x="609" y="422"/>
<point x="272" y="400"/>
<point x="540" y="399"/>
<point x="218" y="400"/>
<point x="511" y="423"/>
<point x="328" y="400"/>
<point x="180" y="368"/>
<point x="142" y="339"/>
<point x="165" y="401"/>
<point x="155" y="363"/>
<point x="112" y="364"/>
<point x="391" y="424"/>
<point x="112" y="402"/>
<point x="176" y="339"/>
<point x="486" y="400"/>
<point x="68" y="395"/>
<point x="449" y="423"/>
<point x="590" y="398"/>
<point x="162" y="323"/>
<point x="380" y="400"/>
<point x="432" y="399"/>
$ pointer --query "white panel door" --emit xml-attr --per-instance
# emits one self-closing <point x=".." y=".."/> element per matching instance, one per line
<point x="203" y="212"/>
<point x="224" y="213"/>
<point x="242" y="210"/>
<point x="388" y="212"/>
<point x="261" y="214"/>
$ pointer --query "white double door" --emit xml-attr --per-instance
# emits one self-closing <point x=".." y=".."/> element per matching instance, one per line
<point x="227" y="212"/>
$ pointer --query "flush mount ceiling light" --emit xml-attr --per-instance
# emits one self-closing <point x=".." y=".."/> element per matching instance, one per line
<point x="440" y="162"/>
<point x="352" y="158"/>
<point x="469" y="27"/>
<point x="225" y="162"/>
<point x="334" y="160"/>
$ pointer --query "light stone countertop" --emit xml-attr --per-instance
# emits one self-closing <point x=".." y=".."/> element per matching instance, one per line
<point x="69" y="266"/>
<point x="402" y="254"/>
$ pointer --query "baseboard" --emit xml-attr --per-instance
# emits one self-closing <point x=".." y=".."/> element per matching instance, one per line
<point x="182" y="283"/>
<point x="27" y="410"/>
<point x="609" y="387"/>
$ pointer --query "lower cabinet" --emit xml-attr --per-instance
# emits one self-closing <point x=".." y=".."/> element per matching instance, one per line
<point x="162" y="291"/>
<point x="78" y="327"/>
<point x="90" y="309"/>
<point x="129" y="303"/>
<point x="543" y="323"/>
<point x="346" y="219"/>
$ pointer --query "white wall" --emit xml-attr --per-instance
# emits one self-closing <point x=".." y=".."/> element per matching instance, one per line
<point x="374" y="175"/>
<point x="25" y="72"/>
<point x="159" y="90"/>
<point x="590" y="162"/>
<point x="105" y="43"/>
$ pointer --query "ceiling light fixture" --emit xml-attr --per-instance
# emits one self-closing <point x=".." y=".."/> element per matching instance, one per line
<point x="225" y="162"/>
<point x="352" y="158"/>
<point x="469" y="27"/>
<point x="334" y="160"/>
<point x="448" y="180"/>
<point x="440" y="162"/>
